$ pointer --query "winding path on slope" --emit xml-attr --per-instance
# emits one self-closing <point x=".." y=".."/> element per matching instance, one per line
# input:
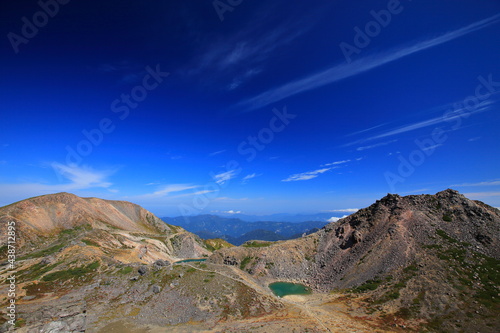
<point x="337" y="322"/>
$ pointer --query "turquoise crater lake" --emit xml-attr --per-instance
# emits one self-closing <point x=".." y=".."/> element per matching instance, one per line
<point x="190" y="260"/>
<point x="281" y="289"/>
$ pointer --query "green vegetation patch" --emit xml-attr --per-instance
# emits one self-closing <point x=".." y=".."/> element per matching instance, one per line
<point x="245" y="262"/>
<point x="447" y="218"/>
<point x="444" y="235"/>
<point x="209" y="247"/>
<point x="368" y="285"/>
<point x="71" y="273"/>
<point x="20" y="322"/>
<point x="403" y="312"/>
<point x="74" y="231"/>
<point x="394" y="291"/>
<point x="411" y="268"/>
<point x="36" y="271"/>
<point x="216" y="244"/>
<point x="3" y="251"/>
<point x="487" y="272"/>
<point x="90" y="242"/>
<point x="470" y="272"/>
<point x="36" y="289"/>
<point x="68" y="232"/>
<point x="45" y="252"/>
<point x="458" y="254"/>
<point x="420" y="297"/>
<point x="257" y="244"/>
<point x="432" y="246"/>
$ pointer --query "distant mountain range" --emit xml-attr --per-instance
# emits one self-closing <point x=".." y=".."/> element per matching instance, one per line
<point x="284" y="217"/>
<point x="237" y="231"/>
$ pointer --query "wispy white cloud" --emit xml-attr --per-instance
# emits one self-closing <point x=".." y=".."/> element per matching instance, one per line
<point x="228" y="199"/>
<point x="487" y="183"/>
<point x="217" y="152"/>
<point x="223" y="177"/>
<point x="456" y="114"/>
<point x="173" y="191"/>
<point x="422" y="190"/>
<point x="346" y="70"/>
<point x="432" y="147"/>
<point x="203" y="192"/>
<point x="243" y="47"/>
<point x="128" y="72"/>
<point x="166" y="190"/>
<point x="335" y="219"/>
<point x="346" y="210"/>
<point x="240" y="56"/>
<point x="375" y="145"/>
<point x="306" y="175"/>
<point x="75" y="178"/>
<point x="250" y="176"/>
<point x="366" y="130"/>
<point x="226" y="211"/>
<point x="82" y="177"/>
<point x="121" y="66"/>
<point x="482" y="194"/>
<point x="191" y="194"/>
<point x="237" y="81"/>
<point x="335" y="163"/>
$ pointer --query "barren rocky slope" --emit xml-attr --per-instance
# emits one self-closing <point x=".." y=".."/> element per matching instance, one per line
<point x="119" y="228"/>
<point x="434" y="257"/>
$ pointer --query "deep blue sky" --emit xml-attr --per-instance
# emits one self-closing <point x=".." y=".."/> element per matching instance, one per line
<point x="357" y="107"/>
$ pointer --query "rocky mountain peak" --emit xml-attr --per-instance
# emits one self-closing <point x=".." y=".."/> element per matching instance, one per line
<point x="390" y="199"/>
<point x="391" y="233"/>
